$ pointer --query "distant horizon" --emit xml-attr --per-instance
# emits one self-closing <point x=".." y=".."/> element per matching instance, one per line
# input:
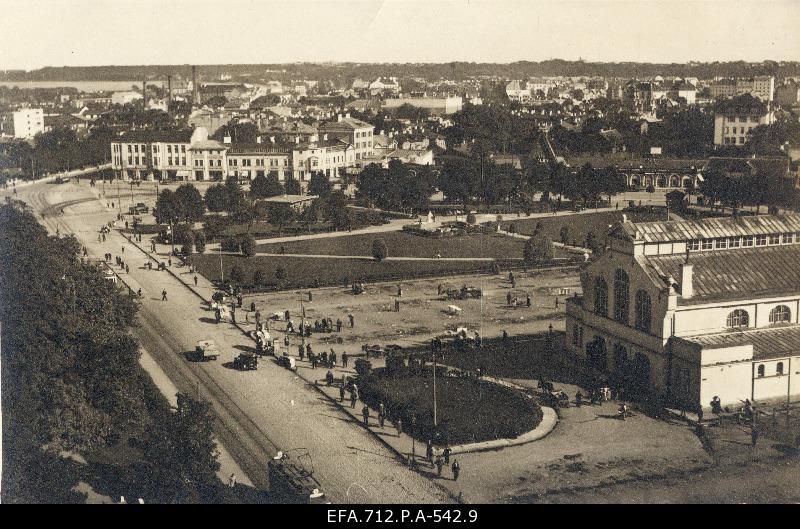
<point x="96" y="33"/>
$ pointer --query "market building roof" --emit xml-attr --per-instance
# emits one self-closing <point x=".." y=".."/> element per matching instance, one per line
<point x="772" y="342"/>
<point x="686" y="230"/>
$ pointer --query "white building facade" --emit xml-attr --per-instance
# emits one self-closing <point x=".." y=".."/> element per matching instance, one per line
<point x="28" y="122"/>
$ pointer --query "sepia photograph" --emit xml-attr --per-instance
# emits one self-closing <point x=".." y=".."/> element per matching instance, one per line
<point x="413" y="261"/>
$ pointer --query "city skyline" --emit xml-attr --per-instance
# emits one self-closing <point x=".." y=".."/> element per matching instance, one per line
<point x="123" y="32"/>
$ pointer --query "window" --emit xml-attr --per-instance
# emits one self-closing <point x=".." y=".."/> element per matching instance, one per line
<point x="600" y="296"/>
<point x="707" y="244"/>
<point x="694" y="245"/>
<point x="721" y="243"/>
<point x="788" y="238"/>
<point x="779" y="368"/>
<point x="780" y="314"/>
<point x="748" y="240"/>
<point x="734" y="242"/>
<point x="774" y="238"/>
<point x="738" y="319"/>
<point x="621" y="296"/>
<point x="761" y="371"/>
<point x="643" y="311"/>
<point x="761" y="240"/>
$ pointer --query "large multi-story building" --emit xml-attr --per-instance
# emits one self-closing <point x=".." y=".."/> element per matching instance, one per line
<point x="734" y="119"/>
<point x="689" y="310"/>
<point x="761" y="87"/>
<point x="357" y="133"/>
<point x="28" y="122"/>
<point x="191" y="155"/>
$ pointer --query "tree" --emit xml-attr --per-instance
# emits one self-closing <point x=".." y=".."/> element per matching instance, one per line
<point x="237" y="276"/>
<point x="319" y="185"/>
<point x="564" y="235"/>
<point x="471" y="218"/>
<point x="239" y="132"/>
<point x="337" y="210"/>
<point x="265" y="186"/>
<point x="379" y="249"/>
<point x="168" y="207"/>
<point x="280" y="215"/>
<point x="259" y="278"/>
<point x="459" y="180"/>
<point x="280" y="272"/>
<point x="216" y="198"/>
<point x="188" y="247"/>
<point x="292" y="186"/>
<point x="182" y="452"/>
<point x="248" y="245"/>
<point x="191" y="202"/>
<point x="538" y="249"/>
<point x="234" y="195"/>
<point x="200" y="242"/>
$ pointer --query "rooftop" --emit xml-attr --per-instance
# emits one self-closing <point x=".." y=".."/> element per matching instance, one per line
<point x="772" y="342"/>
<point x="157" y="136"/>
<point x="685" y="230"/>
<point x="730" y="275"/>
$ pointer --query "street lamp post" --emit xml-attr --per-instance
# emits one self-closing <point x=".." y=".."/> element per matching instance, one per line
<point x="435" y="424"/>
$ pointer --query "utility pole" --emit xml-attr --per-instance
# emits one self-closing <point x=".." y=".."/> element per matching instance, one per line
<point x="435" y="422"/>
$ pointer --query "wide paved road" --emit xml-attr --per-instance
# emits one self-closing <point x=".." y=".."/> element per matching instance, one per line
<point x="262" y="411"/>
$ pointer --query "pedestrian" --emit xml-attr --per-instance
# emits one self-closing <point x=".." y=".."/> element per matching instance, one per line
<point x="528" y="300"/>
<point x="163" y="295"/>
<point x="313" y="358"/>
<point x="623" y="410"/>
<point x="446" y="453"/>
<point x="352" y="320"/>
<point x="329" y="378"/>
<point x="398" y="424"/>
<point x="399" y="291"/>
<point x="439" y="290"/>
<point x="456" y="468"/>
<point x="149" y="265"/>
<point x="301" y="351"/>
<point x="344" y="359"/>
<point x="169" y="261"/>
<point x="341" y="392"/>
<point x="127" y="269"/>
<point x="508" y="299"/>
<point x="429" y="451"/>
<point x="439" y="464"/>
<point x="381" y="414"/>
<point x="365" y="413"/>
<point x="578" y="399"/>
<point x="232" y="481"/>
<point x="754" y="435"/>
<point x="139" y="293"/>
<point x="338" y="325"/>
<point x="195" y="280"/>
<point x="123" y="249"/>
<point x="286" y="340"/>
<point x="258" y="317"/>
<point x="353" y="399"/>
<point x="556" y="302"/>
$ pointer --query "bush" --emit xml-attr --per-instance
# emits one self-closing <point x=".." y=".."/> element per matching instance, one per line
<point x="512" y="228"/>
<point x="379" y="250"/>
<point x="471" y="218"/>
<point x="538" y="249"/>
<point x="259" y="278"/>
<point x="248" y="245"/>
<point x="230" y="244"/>
<point x="237" y="276"/>
<point x="564" y="234"/>
<point x="280" y="272"/>
<point x="363" y="367"/>
<point x="200" y="242"/>
<point x="187" y="248"/>
<point x="182" y="234"/>
<point x="395" y="365"/>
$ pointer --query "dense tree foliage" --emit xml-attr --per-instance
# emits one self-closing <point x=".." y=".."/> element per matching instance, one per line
<point x="265" y="186"/>
<point x="71" y="380"/>
<point x="400" y="186"/>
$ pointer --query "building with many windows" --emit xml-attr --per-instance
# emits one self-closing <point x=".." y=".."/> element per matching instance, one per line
<point x="357" y="133"/>
<point x="690" y="310"/>
<point x="735" y="119"/>
<point x="28" y="122"/>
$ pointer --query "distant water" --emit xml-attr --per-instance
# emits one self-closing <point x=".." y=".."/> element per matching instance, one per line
<point x="84" y="86"/>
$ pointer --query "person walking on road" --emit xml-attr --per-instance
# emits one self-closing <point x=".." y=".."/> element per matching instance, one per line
<point x="329" y="378"/>
<point x="508" y="299"/>
<point x="754" y="435"/>
<point x="398" y="424"/>
<point x="365" y="413"/>
<point x="353" y="398"/>
<point x="381" y="414"/>
<point x="344" y="360"/>
<point x="446" y="453"/>
<point x="341" y="392"/>
<point x="338" y="325"/>
<point x="163" y="295"/>
<point x="456" y="468"/>
<point x="429" y="451"/>
<point x="195" y="280"/>
<point x="352" y="320"/>
<point x="439" y="464"/>
<point x="232" y="481"/>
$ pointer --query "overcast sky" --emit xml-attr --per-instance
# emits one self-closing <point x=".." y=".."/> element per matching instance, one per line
<point x="35" y="33"/>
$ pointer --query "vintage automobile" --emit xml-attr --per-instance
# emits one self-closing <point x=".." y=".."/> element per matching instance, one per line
<point x="288" y="362"/>
<point x="246" y="361"/>
<point x="205" y="350"/>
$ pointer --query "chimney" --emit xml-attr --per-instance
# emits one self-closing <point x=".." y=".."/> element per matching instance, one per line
<point x="169" y="88"/>
<point x="195" y="100"/>
<point x="686" y="280"/>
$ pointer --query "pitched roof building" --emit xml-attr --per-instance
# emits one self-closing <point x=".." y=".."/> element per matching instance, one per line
<point x="690" y="310"/>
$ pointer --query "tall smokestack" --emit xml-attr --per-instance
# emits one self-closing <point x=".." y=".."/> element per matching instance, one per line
<point x="169" y="88"/>
<point x="194" y="86"/>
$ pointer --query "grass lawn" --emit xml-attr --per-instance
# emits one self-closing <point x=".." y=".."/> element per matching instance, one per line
<point x="403" y="244"/>
<point x="468" y="411"/>
<point x="302" y="272"/>
<point x="580" y="224"/>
